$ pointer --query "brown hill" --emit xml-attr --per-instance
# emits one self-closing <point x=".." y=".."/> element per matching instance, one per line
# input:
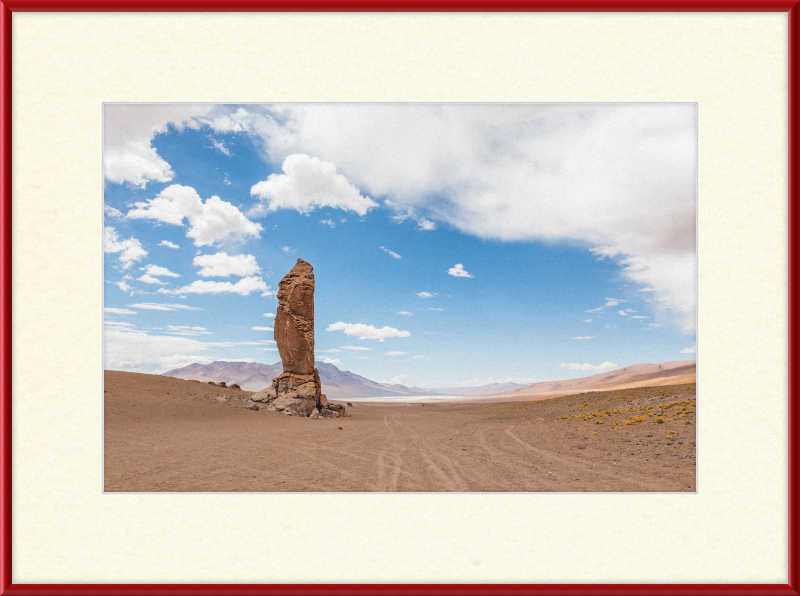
<point x="637" y="375"/>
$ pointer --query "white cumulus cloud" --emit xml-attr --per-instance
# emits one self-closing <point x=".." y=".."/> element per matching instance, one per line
<point x="585" y="337"/>
<point x="425" y="295"/>
<point x="354" y="349"/>
<point x="362" y="331"/>
<point x="334" y="361"/>
<point x="130" y="250"/>
<point x="308" y="183"/>
<point x="222" y="264"/>
<point x="458" y="271"/>
<point x="620" y="178"/>
<point x="395" y="353"/>
<point x="211" y="221"/>
<point x="119" y="311"/>
<point x="690" y="350"/>
<point x="128" y="131"/>
<point x="405" y="313"/>
<point x="168" y="244"/>
<point x="261" y="328"/>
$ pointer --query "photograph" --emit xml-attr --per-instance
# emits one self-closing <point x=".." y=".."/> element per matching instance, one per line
<point x="399" y="297"/>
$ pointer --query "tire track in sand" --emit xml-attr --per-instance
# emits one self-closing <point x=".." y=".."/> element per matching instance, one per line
<point x="451" y="479"/>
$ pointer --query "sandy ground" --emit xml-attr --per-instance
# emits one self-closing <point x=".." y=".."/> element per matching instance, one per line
<point x="166" y="434"/>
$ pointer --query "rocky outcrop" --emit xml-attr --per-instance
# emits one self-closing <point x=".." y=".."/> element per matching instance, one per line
<point x="297" y="390"/>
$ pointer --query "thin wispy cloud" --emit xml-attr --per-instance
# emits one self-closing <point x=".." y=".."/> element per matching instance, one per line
<point x="243" y="287"/>
<point x="221" y="147"/>
<point x="222" y="264"/>
<point x="391" y="253"/>
<point x="186" y="330"/>
<point x="605" y="366"/>
<point x="149" y="279"/>
<point x="160" y="306"/>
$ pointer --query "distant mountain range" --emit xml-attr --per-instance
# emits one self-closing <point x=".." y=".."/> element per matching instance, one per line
<point x="341" y="385"/>
<point x="252" y="376"/>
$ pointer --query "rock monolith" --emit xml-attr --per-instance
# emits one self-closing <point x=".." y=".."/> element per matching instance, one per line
<point x="297" y="391"/>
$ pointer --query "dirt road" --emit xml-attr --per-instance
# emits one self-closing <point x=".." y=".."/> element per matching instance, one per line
<point x="165" y="434"/>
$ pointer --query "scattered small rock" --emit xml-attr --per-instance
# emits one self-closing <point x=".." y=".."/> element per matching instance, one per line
<point x="251" y="405"/>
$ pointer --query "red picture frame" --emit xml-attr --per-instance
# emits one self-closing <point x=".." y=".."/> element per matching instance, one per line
<point x="7" y="7"/>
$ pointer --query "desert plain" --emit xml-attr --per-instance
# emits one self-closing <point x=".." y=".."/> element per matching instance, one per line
<point x="163" y="434"/>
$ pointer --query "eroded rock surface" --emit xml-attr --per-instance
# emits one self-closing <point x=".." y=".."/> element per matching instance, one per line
<point x="297" y="390"/>
<point x="294" y="320"/>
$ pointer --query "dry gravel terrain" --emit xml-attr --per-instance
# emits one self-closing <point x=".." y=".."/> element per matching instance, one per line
<point x="167" y="434"/>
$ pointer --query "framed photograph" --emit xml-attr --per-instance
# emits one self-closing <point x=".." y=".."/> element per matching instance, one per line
<point x="394" y="300"/>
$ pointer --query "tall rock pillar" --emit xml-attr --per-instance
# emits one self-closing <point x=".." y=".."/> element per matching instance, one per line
<point x="297" y="391"/>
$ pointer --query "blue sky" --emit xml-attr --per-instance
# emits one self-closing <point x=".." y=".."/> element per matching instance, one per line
<point x="451" y="244"/>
